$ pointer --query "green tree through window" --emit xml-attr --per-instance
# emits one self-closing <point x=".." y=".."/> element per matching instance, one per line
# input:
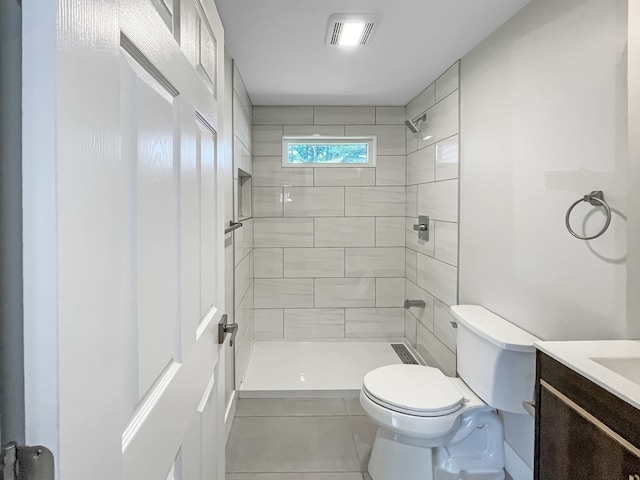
<point x="329" y="151"/>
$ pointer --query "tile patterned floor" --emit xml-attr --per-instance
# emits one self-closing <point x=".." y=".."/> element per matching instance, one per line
<point x="299" y="439"/>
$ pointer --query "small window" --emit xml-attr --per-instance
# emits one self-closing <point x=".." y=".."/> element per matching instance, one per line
<point x="329" y="151"/>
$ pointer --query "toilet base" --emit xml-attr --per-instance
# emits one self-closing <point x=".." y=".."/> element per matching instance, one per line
<point x="476" y="452"/>
<point x="392" y="459"/>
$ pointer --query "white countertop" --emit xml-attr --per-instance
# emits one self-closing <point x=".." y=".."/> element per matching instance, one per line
<point x="579" y="355"/>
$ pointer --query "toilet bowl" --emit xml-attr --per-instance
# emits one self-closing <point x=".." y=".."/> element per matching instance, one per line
<point x="427" y="426"/>
<point x="434" y="427"/>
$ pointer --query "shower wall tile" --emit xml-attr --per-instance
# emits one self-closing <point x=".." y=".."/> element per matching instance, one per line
<point x="267" y="140"/>
<point x="240" y="242"/>
<point x="268" y="263"/>
<point x="442" y="120"/>
<point x="268" y="171"/>
<point x="345" y="292"/>
<point x="374" y="201"/>
<point x="374" y="322"/>
<point x="344" y="116"/>
<point x="391" y="170"/>
<point x="447" y="157"/>
<point x="313" y="323"/>
<point x="411" y="201"/>
<point x="283" y="232"/>
<point x="267" y="202"/>
<point x="390" y="115"/>
<point x="247" y="241"/>
<point x="313" y="262"/>
<point x="421" y="166"/>
<point x="390" y="231"/>
<point x="344" y="177"/>
<point x="439" y="200"/>
<point x="345" y="232"/>
<point x="414" y="242"/>
<point x="438" y="278"/>
<point x="282" y="115"/>
<point x="306" y="130"/>
<point x="241" y="122"/>
<point x="424" y="315"/>
<point x="448" y="81"/>
<point x="422" y="102"/>
<point x="313" y="201"/>
<point x="442" y="326"/>
<point x="374" y="262"/>
<point x="390" y="292"/>
<point x="268" y="323"/>
<point x="241" y="155"/>
<point x="411" y="329"/>
<point x="241" y="91"/>
<point x="445" y="236"/>
<point x="435" y="353"/>
<point x="243" y="278"/>
<point x="391" y="138"/>
<point x="411" y="141"/>
<point x="283" y="293"/>
<point x="411" y="265"/>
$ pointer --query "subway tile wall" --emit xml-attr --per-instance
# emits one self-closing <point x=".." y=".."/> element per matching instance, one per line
<point x="329" y="257"/>
<point x="431" y="272"/>
<point x="243" y="237"/>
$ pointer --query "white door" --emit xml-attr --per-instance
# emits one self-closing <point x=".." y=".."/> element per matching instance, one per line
<point x="123" y="236"/>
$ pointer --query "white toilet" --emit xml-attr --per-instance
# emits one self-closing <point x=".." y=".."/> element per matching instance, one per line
<point x="434" y="427"/>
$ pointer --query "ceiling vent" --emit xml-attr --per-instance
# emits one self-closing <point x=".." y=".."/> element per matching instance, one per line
<point x="350" y="30"/>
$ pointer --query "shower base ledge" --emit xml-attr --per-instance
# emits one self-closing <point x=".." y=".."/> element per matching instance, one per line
<point x="314" y="369"/>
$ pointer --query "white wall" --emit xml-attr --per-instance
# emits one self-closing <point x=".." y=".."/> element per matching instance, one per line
<point x="543" y="122"/>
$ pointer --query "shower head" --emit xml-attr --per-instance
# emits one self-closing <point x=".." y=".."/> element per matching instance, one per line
<point x="414" y="125"/>
<point x="411" y="126"/>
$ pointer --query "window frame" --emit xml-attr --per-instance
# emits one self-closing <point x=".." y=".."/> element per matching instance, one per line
<point x="371" y="140"/>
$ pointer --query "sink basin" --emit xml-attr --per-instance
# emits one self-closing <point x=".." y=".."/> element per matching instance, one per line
<point x="628" y="367"/>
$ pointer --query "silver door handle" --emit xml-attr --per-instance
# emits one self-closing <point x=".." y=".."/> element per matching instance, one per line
<point x="224" y="328"/>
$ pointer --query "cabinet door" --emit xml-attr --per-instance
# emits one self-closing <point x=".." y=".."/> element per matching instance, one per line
<point x="573" y="445"/>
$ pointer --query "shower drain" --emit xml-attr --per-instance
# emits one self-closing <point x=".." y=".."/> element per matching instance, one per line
<point x="404" y="353"/>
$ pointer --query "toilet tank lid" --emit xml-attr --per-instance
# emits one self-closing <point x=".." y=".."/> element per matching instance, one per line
<point x="493" y="328"/>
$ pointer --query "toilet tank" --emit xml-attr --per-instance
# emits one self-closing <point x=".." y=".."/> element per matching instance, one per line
<point x="496" y="359"/>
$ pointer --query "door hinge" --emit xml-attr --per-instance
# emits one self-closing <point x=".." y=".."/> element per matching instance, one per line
<point x="26" y="463"/>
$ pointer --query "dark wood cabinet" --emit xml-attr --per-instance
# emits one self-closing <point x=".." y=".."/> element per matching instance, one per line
<point x="583" y="432"/>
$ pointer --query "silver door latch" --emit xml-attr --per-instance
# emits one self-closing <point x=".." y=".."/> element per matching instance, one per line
<point x="26" y="463"/>
<point x="422" y="227"/>
<point x="224" y="328"/>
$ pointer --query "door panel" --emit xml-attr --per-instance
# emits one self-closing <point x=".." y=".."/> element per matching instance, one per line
<point x="208" y="216"/>
<point x="124" y="221"/>
<point x="153" y="233"/>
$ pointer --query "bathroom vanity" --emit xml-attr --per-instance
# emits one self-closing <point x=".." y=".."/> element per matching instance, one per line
<point x="587" y="411"/>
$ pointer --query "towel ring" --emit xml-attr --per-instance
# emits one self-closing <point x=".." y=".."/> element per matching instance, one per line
<point x="595" y="198"/>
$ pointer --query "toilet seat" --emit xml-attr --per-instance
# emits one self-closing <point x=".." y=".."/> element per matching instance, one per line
<point x="415" y="390"/>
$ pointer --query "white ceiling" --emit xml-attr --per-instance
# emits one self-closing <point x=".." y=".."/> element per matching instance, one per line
<point x="279" y="47"/>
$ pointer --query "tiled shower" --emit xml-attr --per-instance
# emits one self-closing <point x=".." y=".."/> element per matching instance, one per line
<point x="333" y="252"/>
<point x="329" y="242"/>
